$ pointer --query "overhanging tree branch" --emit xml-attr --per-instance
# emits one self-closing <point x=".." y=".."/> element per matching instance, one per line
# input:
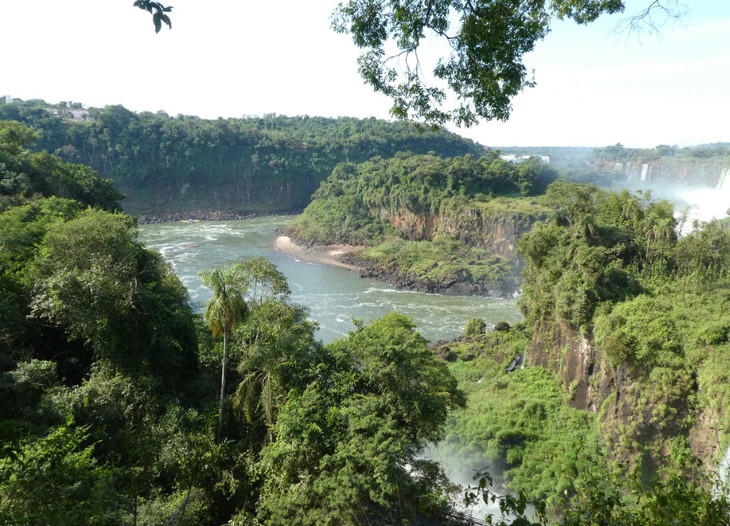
<point x="656" y="15"/>
<point x="158" y="11"/>
<point x="488" y="39"/>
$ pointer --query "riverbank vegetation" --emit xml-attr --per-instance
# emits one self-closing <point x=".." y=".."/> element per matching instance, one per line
<point x="625" y="346"/>
<point x="610" y="268"/>
<point x="112" y="412"/>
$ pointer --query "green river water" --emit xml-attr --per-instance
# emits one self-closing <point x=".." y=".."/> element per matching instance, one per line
<point x="333" y="295"/>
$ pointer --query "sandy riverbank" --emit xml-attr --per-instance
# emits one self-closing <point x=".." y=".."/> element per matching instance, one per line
<point x="323" y="254"/>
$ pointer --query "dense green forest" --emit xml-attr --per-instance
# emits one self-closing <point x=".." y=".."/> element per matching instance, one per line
<point x="123" y="406"/>
<point x="111" y="407"/>
<point x="717" y="151"/>
<point x="626" y="342"/>
<point x="185" y="164"/>
<point x="625" y="338"/>
<point x="431" y="221"/>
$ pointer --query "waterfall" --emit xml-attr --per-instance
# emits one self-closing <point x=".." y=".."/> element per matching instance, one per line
<point x="723" y="190"/>
<point x="710" y="202"/>
<point x="700" y="188"/>
<point x="723" y="184"/>
<point x="723" y="474"/>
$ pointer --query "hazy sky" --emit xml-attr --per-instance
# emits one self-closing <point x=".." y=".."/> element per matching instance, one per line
<point x="233" y="58"/>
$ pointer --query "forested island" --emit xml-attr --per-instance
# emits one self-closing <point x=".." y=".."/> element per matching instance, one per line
<point x="432" y="224"/>
<point x="122" y="405"/>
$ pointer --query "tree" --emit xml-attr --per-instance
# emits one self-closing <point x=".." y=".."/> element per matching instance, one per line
<point x="56" y="480"/>
<point x="485" y="67"/>
<point x="277" y="342"/>
<point x="158" y="11"/>
<point x="26" y="174"/>
<point x="225" y="310"/>
<point x="264" y="280"/>
<point x="487" y="44"/>
<point x="14" y="137"/>
<point x="93" y="284"/>
<point x="85" y="280"/>
<point x="349" y="445"/>
<point x="279" y="350"/>
<point x="487" y="38"/>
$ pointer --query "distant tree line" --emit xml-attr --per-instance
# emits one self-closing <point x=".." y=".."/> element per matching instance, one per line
<point x="254" y="164"/>
<point x="619" y="153"/>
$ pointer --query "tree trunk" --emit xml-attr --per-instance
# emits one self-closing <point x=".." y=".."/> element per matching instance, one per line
<point x="223" y="384"/>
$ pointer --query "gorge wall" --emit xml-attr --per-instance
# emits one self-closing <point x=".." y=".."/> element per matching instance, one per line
<point x="492" y="225"/>
<point x="710" y="173"/>
<point x="638" y="423"/>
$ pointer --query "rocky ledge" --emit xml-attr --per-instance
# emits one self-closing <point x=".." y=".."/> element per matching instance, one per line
<point x="350" y="257"/>
<point x="401" y="279"/>
<point x="189" y="217"/>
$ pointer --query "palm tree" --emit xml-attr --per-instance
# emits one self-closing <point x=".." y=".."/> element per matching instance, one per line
<point x="224" y="310"/>
<point x="261" y="392"/>
<point x="276" y="360"/>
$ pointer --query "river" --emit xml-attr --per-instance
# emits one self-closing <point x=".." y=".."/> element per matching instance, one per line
<point x="333" y="295"/>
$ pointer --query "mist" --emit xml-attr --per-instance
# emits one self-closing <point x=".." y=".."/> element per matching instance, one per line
<point x="461" y="470"/>
<point x="693" y="202"/>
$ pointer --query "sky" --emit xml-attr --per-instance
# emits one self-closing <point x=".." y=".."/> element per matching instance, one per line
<point x="596" y="85"/>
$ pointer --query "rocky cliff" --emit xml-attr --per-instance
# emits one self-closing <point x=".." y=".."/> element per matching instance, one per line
<point x="494" y="225"/>
<point x="696" y="172"/>
<point x="481" y="258"/>
<point x="640" y="423"/>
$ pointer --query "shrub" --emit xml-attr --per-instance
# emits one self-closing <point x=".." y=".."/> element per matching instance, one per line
<point x="501" y="326"/>
<point x="475" y="327"/>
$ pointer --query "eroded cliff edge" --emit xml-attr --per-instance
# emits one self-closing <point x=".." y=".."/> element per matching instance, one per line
<point x="642" y="414"/>
<point x="465" y="248"/>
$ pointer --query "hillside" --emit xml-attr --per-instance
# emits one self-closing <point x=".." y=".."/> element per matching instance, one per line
<point x="625" y="340"/>
<point x="620" y="368"/>
<point x="255" y="164"/>
<point x="114" y="411"/>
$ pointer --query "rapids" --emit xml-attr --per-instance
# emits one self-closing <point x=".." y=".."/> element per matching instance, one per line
<point x="333" y="295"/>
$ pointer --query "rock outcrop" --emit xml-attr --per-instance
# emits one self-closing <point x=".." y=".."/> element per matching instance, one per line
<point x="497" y="232"/>
<point x="638" y="424"/>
